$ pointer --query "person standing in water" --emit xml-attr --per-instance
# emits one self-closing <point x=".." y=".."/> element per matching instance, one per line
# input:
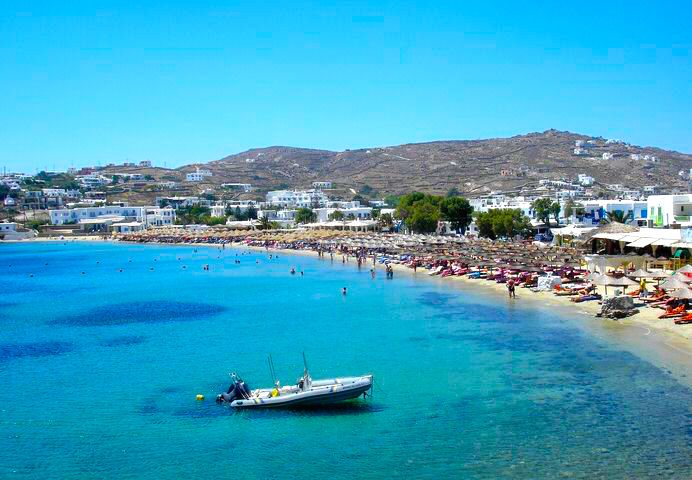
<point x="343" y="291"/>
<point x="510" y="289"/>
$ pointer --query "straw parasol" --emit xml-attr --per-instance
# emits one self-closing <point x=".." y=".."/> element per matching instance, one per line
<point x="619" y="282"/>
<point x="686" y="269"/>
<point x="673" y="283"/>
<point x="640" y="273"/>
<point x="682" y="293"/>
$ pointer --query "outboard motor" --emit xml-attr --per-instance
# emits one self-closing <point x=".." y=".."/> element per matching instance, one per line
<point x="237" y="390"/>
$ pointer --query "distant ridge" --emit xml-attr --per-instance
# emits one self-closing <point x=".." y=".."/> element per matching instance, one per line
<point x="470" y="166"/>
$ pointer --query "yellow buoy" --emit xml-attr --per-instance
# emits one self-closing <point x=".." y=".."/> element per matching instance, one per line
<point x="200" y="396"/>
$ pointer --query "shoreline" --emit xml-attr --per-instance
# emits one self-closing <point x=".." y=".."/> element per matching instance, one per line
<point x="665" y="345"/>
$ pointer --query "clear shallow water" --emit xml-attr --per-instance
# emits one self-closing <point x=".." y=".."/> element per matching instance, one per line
<point x="99" y="373"/>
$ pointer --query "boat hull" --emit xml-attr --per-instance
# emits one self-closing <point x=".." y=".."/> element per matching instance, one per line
<point x="326" y="395"/>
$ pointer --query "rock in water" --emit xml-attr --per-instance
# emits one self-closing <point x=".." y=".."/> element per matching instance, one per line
<point x="618" y="307"/>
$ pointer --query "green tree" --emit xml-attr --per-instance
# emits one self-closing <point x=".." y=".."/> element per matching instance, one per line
<point x="503" y="222"/>
<point x="192" y="215"/>
<point x="569" y="208"/>
<point x="4" y="192"/>
<point x="409" y="201"/>
<point x="238" y="214"/>
<point x="385" y="221"/>
<point x="392" y="201"/>
<point x="264" y="223"/>
<point x="251" y="213"/>
<point x="453" y="192"/>
<point x="618" y="216"/>
<point x="336" y="215"/>
<point x="423" y="217"/>
<point x="555" y="211"/>
<point x="542" y="208"/>
<point x="484" y="222"/>
<point x="305" y="215"/>
<point x="458" y="211"/>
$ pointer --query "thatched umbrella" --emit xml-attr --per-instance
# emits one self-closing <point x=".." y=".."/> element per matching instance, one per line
<point x="640" y="273"/>
<point x="682" y="293"/>
<point x="607" y="280"/>
<point x="673" y="283"/>
<point x="686" y="269"/>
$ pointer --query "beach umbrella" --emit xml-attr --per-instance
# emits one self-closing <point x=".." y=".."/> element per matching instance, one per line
<point x="682" y="293"/>
<point x="674" y="284"/>
<point x="640" y="273"/>
<point x="682" y="277"/>
<point x="686" y="269"/>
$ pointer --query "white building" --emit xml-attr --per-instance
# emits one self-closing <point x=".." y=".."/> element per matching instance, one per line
<point x="145" y="164"/>
<point x="354" y="213"/>
<point x="666" y="210"/>
<point x="607" y="156"/>
<point x="581" y="152"/>
<point x="322" y="184"/>
<point x="92" y="180"/>
<point x="198" y="175"/>
<point x="9" y="231"/>
<point x="585" y="180"/>
<point x="60" y="192"/>
<point x="635" y="156"/>
<point x="597" y="210"/>
<point x="218" y="211"/>
<point x="149" y="216"/>
<point x="297" y="198"/>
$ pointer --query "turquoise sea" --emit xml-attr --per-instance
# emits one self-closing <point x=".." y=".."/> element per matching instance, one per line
<point x="99" y="372"/>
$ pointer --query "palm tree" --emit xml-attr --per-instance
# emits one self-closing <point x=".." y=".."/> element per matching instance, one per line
<point x="264" y="223"/>
<point x="618" y="216"/>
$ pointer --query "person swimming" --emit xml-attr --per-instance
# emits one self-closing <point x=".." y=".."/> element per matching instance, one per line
<point x="343" y="291"/>
<point x="293" y="271"/>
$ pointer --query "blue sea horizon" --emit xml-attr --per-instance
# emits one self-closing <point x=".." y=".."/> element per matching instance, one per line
<point x="103" y="348"/>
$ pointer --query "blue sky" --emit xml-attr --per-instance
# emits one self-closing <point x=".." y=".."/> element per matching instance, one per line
<point x="176" y="82"/>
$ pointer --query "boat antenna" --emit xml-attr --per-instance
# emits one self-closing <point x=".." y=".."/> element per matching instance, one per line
<point x="305" y="362"/>
<point x="271" y="368"/>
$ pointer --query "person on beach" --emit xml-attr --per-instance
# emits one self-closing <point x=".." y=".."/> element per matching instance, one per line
<point x="510" y="289"/>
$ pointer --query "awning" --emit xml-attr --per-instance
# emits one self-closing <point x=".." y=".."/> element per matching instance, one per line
<point x="682" y="245"/>
<point x="641" y="243"/>
<point x="630" y="237"/>
<point x="610" y="236"/>
<point x="665" y="242"/>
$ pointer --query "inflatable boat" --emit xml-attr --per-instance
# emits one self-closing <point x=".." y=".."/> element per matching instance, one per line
<point x="306" y="392"/>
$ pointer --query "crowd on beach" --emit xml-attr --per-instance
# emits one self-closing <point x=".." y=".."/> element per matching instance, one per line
<point x="532" y="266"/>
